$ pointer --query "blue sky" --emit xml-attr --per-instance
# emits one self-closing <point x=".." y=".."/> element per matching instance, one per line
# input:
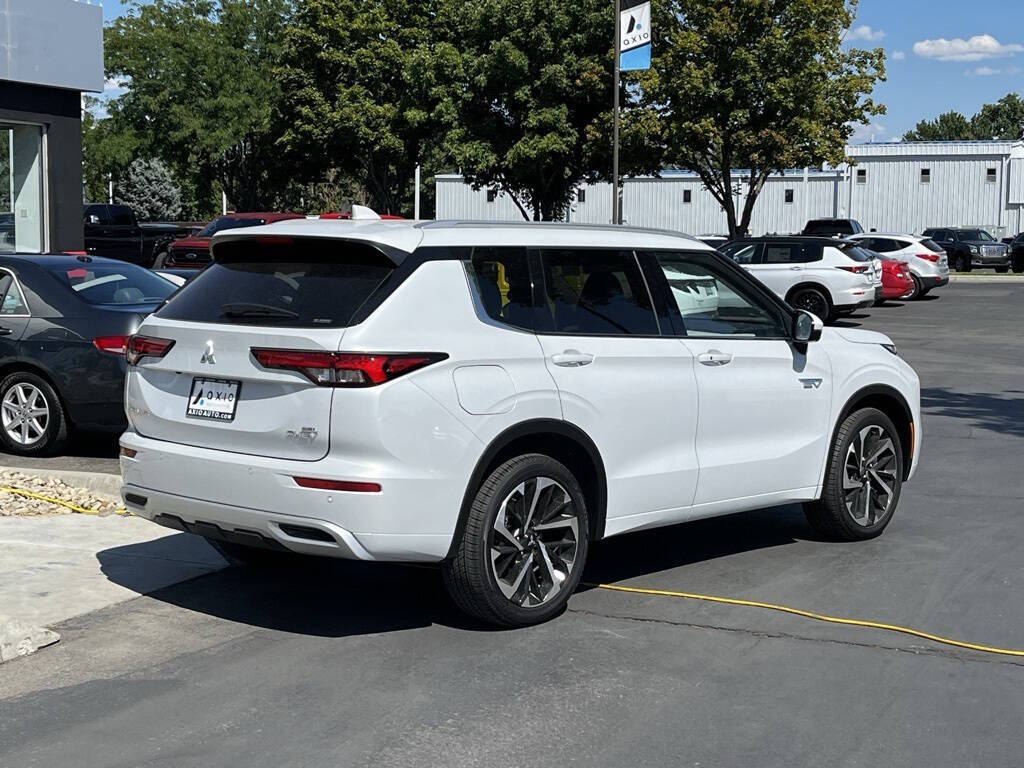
<point x="942" y="55"/>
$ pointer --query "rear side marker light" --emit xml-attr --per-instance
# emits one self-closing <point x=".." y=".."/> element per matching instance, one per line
<point x="141" y="347"/>
<point x="115" y="345"/>
<point x="932" y="257"/>
<point x="336" y="485"/>
<point x="129" y="453"/>
<point x="346" y="369"/>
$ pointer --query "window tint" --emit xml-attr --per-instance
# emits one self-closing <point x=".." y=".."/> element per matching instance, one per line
<point x="931" y="245"/>
<point x="501" y="277"/>
<point x="112" y="283"/>
<point x="295" y="284"/>
<point x="121" y="216"/>
<point x="882" y="244"/>
<point x="96" y="214"/>
<point x="596" y="292"/>
<point x="855" y="253"/>
<point x="790" y="253"/>
<point x="975" y="234"/>
<point x="11" y="300"/>
<point x="713" y="301"/>
<point x="742" y="253"/>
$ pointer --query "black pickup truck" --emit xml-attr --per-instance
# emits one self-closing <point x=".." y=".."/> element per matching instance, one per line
<point x="113" y="231"/>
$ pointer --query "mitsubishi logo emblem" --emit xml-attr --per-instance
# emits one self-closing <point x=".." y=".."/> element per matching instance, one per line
<point x="208" y="357"/>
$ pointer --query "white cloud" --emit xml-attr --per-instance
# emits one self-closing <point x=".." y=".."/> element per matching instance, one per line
<point x="898" y="55"/>
<point x="869" y="132"/>
<point x="991" y="71"/>
<point x="864" y="32"/>
<point x="976" y="48"/>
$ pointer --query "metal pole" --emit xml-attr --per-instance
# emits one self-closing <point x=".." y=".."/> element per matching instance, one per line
<point x="110" y="189"/>
<point x="416" y="195"/>
<point x="224" y="203"/>
<point x="616" y="213"/>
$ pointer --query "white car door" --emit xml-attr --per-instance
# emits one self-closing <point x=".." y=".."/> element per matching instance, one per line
<point x="631" y="389"/>
<point x="763" y="422"/>
<point x="783" y="265"/>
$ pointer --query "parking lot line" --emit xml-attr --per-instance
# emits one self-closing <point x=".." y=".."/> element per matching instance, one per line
<point x="812" y="615"/>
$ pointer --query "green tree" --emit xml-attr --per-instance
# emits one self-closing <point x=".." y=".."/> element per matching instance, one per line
<point x="363" y="82"/>
<point x="107" y="150"/>
<point x="529" y="108"/>
<point x="762" y="85"/>
<point x="202" y="92"/>
<point x="1003" y="120"/>
<point x="150" y="190"/>
<point x="949" y="126"/>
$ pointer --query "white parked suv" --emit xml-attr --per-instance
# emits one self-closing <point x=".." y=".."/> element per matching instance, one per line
<point x="929" y="265"/>
<point x="495" y="397"/>
<point x="826" y="276"/>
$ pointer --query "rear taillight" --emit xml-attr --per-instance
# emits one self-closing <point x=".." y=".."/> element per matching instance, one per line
<point x="932" y="257"/>
<point x="858" y="270"/>
<point x="115" y="345"/>
<point x="141" y="347"/>
<point x="345" y="369"/>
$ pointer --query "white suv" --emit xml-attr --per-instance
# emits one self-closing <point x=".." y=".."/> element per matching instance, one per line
<point x="495" y="397"/>
<point x="929" y="265"/>
<point x="827" y="277"/>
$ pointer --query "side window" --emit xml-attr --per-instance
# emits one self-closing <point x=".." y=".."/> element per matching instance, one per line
<point x="121" y="216"/>
<point x="501" y="277"/>
<point x="884" y="245"/>
<point x="598" y="292"/>
<point x="96" y="215"/>
<point x="11" y="300"/>
<point x="742" y="253"/>
<point x="714" y="301"/>
<point x="790" y="253"/>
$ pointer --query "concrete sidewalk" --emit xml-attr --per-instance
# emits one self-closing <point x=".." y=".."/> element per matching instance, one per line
<point x="57" y="567"/>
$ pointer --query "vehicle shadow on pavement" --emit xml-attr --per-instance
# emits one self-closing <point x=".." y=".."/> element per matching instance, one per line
<point x="993" y="412"/>
<point x="308" y="596"/>
<point x="662" y="549"/>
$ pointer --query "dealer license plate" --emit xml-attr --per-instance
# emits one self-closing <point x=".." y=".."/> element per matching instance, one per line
<point x="215" y="399"/>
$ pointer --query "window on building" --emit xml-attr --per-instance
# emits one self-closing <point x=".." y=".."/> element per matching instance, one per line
<point x="990" y="175"/>
<point x="862" y="175"/>
<point x="789" y="195"/>
<point x="581" y="196"/>
<point x="687" y="196"/>
<point x="22" y="227"/>
<point x="596" y="292"/>
<point x="926" y="175"/>
<point x="491" y="195"/>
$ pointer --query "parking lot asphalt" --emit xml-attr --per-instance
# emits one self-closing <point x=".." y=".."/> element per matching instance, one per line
<point x="334" y="663"/>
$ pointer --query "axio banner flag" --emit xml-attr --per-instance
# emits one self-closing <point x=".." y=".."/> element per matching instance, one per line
<point x="635" y="35"/>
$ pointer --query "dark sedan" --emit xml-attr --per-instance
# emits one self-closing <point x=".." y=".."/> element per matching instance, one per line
<point x="64" y="323"/>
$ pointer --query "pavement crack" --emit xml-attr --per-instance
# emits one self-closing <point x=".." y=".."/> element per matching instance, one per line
<point x="965" y="658"/>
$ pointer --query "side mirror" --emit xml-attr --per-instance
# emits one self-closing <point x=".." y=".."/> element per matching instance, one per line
<point x="806" y="327"/>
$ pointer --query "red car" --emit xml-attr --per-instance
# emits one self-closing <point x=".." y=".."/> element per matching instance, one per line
<point x="896" y="279"/>
<point x="194" y="252"/>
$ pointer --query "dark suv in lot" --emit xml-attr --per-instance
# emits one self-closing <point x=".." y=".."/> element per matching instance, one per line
<point x="970" y="247"/>
<point x="1016" y="246"/>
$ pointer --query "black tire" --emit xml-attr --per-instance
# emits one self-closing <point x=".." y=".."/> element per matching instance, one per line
<point x="54" y="434"/>
<point x="1018" y="264"/>
<point x="830" y="515"/>
<point x="962" y="262"/>
<point x="814" y="301"/>
<point x="1002" y="270"/>
<point x="469" y="576"/>
<point x="917" y="291"/>
<point x="252" y="557"/>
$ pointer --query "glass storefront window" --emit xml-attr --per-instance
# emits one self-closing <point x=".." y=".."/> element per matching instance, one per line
<point x="21" y="189"/>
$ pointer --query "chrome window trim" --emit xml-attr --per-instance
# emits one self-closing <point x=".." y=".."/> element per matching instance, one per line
<point x="24" y="298"/>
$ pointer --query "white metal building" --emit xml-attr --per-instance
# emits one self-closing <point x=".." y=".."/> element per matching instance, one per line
<point x="893" y="187"/>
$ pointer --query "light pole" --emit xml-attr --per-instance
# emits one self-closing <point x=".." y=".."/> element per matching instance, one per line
<point x="616" y="218"/>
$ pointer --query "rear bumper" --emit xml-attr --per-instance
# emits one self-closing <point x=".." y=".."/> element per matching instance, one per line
<point x="850" y="299"/>
<point x="934" y="281"/>
<point x="412" y="519"/>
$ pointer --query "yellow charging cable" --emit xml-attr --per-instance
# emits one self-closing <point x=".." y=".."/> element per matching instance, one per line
<point x="58" y="502"/>
<point x="812" y="615"/>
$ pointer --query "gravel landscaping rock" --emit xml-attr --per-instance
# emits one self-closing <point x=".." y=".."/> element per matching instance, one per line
<point x="14" y="505"/>
<point x="20" y="639"/>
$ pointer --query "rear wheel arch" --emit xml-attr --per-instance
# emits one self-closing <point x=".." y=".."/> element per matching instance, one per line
<point x="889" y="401"/>
<point x="561" y="441"/>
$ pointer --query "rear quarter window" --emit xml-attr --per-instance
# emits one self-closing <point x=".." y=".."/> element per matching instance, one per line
<point x="294" y="283"/>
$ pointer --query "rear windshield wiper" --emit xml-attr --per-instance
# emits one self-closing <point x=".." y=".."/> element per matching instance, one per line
<point x="242" y="311"/>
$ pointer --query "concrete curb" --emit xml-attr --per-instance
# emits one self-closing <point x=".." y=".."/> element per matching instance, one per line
<point x="19" y="639"/>
<point x="100" y="483"/>
<point x="971" y="278"/>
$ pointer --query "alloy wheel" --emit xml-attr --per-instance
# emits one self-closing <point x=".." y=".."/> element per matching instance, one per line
<point x="534" y="541"/>
<point x="25" y="414"/>
<point x="813" y="302"/>
<point x="870" y="480"/>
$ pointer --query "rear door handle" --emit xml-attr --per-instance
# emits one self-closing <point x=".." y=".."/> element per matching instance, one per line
<point x="572" y="358"/>
<point x="714" y="358"/>
<point x="796" y="269"/>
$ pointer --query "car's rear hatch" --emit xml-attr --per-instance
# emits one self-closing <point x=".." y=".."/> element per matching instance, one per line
<point x="209" y="389"/>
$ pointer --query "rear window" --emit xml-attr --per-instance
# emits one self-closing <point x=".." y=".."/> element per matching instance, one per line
<point x="932" y="246"/>
<point x="113" y="284"/>
<point x="831" y="227"/>
<point x="856" y="253"/>
<point x="227" y="222"/>
<point x="292" y="283"/>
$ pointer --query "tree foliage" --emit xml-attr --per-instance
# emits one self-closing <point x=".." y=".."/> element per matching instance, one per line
<point x="150" y="190"/>
<point x="107" y="150"/>
<point x="1003" y="120"/>
<point x="762" y="85"/>
<point x="202" y="93"/>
